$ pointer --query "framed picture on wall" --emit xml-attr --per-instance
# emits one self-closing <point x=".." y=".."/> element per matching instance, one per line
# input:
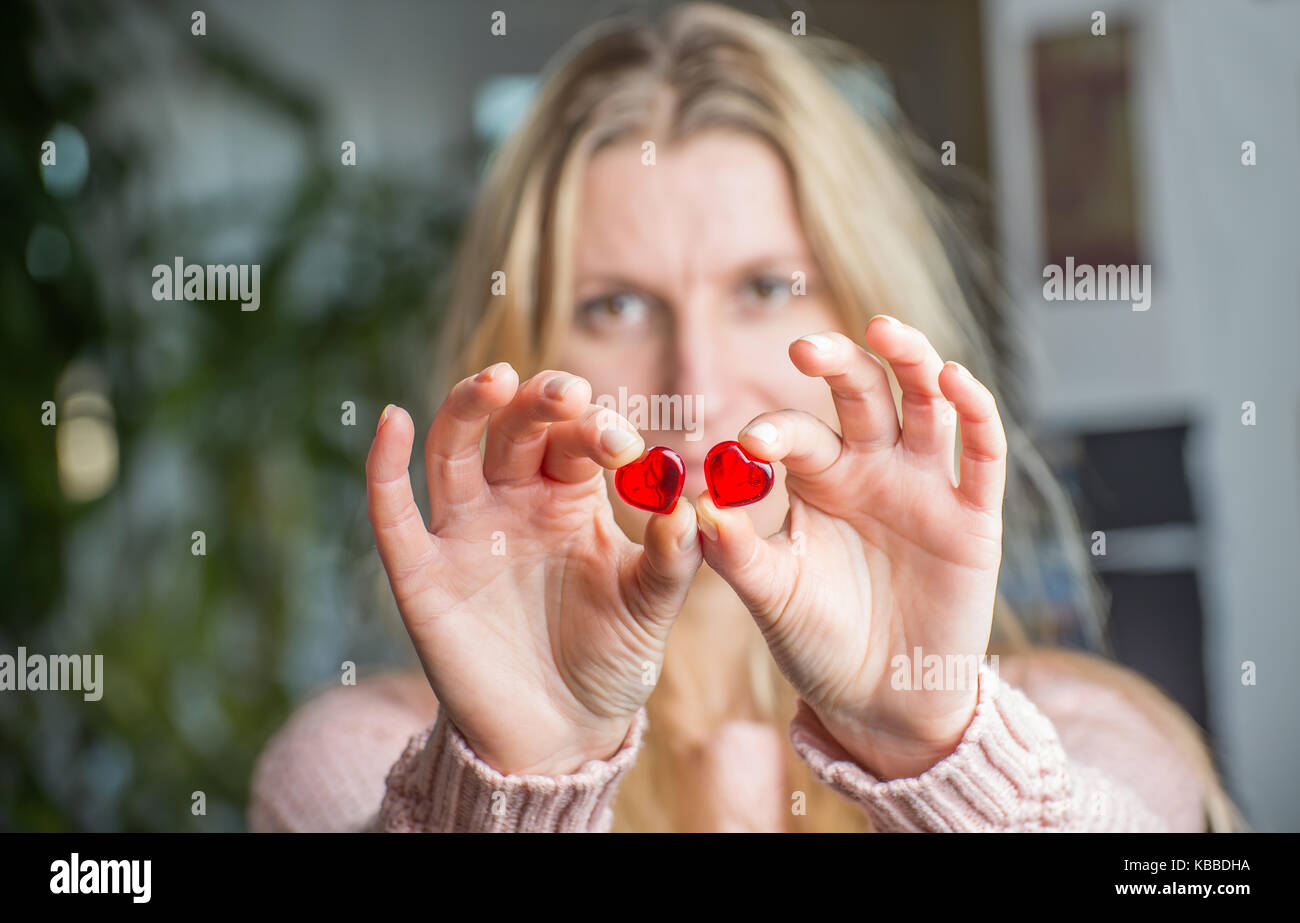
<point x="1083" y="100"/>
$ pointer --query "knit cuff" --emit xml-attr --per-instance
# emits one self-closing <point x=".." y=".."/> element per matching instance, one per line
<point x="439" y="785"/>
<point x="1007" y="774"/>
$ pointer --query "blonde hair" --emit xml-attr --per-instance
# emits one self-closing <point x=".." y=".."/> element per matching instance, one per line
<point x="883" y="242"/>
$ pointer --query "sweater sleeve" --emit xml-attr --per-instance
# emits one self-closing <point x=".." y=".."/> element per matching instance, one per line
<point x="440" y="785"/>
<point x="1009" y="773"/>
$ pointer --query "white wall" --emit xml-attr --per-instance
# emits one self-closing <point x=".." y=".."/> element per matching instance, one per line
<point x="1223" y="327"/>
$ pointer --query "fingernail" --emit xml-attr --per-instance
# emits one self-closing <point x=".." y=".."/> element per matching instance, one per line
<point x="616" y="441"/>
<point x="688" y="538"/>
<point x="762" y="431"/>
<point x="492" y="371"/>
<point x="704" y="511"/>
<point x="383" y="416"/>
<point x="965" y="371"/>
<point x="823" y="344"/>
<point x="892" y="321"/>
<point x="556" y="387"/>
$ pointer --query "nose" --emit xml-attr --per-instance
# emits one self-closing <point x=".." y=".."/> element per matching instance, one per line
<point x="700" y="361"/>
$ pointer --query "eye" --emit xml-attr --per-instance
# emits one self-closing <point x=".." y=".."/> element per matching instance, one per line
<point x="766" y="293"/>
<point x="617" y="311"/>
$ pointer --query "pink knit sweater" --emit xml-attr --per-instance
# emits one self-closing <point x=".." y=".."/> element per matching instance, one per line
<point x="1056" y="752"/>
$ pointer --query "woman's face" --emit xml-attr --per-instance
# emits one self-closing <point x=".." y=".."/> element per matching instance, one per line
<point x="683" y="287"/>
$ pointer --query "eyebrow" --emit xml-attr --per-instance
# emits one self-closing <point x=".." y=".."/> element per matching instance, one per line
<point x="742" y="270"/>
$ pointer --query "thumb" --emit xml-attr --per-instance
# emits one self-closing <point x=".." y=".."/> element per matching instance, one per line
<point x="669" y="559"/>
<point x="756" y="568"/>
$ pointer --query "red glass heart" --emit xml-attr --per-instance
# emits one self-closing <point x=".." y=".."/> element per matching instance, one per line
<point x="735" y="477"/>
<point x="653" y="482"/>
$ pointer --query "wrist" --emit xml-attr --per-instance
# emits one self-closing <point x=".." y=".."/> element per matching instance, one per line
<point x="569" y="762"/>
<point x="564" y="761"/>
<point x="902" y="750"/>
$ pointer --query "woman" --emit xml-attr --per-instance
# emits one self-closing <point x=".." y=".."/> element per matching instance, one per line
<point x="691" y="210"/>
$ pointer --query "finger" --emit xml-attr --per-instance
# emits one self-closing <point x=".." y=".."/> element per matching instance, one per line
<point x="755" y="568"/>
<point x="916" y="365"/>
<point x="663" y="571"/>
<point x="516" y="440"/>
<point x="578" y="449"/>
<point x="453" y="463"/>
<point x="405" y="545"/>
<point x="859" y="386"/>
<point x="983" y="440"/>
<point x="800" y="441"/>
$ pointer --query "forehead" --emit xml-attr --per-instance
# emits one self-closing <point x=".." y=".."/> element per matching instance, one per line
<point x="704" y="206"/>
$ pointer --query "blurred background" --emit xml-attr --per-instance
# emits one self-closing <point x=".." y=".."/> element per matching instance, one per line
<point x="252" y="427"/>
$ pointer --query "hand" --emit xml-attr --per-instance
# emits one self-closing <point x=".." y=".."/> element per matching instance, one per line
<point x="531" y="611"/>
<point x="881" y="552"/>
